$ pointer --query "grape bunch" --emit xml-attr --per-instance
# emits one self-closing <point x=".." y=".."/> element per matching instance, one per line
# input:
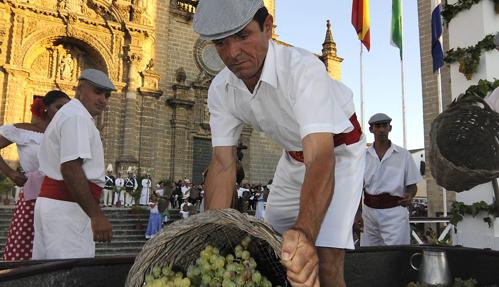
<point x="212" y="269"/>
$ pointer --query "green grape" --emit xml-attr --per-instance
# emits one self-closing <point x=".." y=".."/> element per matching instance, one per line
<point x="238" y="248"/>
<point x="256" y="277"/>
<point x="149" y="278"/>
<point x="245" y="242"/>
<point x="228" y="283"/>
<point x="252" y="263"/>
<point x="229" y="258"/>
<point x="156" y="271"/>
<point x="216" y="251"/>
<point x="245" y="255"/>
<point x="205" y="279"/>
<point x="185" y="282"/>
<point x="166" y="271"/>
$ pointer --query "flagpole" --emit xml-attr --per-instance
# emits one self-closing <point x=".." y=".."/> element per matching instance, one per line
<point x="440" y="110"/>
<point x="404" y="122"/>
<point x="361" y="89"/>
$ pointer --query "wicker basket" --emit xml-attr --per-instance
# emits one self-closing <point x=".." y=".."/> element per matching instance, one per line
<point x="179" y="244"/>
<point x="465" y="144"/>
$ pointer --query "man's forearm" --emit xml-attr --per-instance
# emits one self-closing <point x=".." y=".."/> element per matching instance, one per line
<point x="220" y="183"/>
<point x="316" y="194"/>
<point x="77" y="184"/>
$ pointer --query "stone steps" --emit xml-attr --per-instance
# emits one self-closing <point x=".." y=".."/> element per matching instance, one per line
<point x="129" y="229"/>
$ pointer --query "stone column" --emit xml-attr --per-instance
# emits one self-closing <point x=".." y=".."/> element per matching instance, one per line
<point x="182" y="104"/>
<point x="16" y="104"/>
<point x="130" y="141"/>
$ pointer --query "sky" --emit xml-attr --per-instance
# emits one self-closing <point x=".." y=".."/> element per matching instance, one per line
<point x="304" y="25"/>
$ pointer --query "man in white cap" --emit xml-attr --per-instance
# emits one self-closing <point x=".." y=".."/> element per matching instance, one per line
<point x="287" y="93"/>
<point x="389" y="185"/>
<point x="68" y="218"/>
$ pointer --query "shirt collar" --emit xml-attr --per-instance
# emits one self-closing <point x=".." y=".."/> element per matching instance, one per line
<point x="393" y="148"/>
<point x="78" y="103"/>
<point x="269" y="74"/>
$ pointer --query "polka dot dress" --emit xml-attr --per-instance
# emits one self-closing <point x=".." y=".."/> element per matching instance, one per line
<point x="19" y="244"/>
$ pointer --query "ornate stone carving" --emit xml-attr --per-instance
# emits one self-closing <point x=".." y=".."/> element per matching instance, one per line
<point x="100" y="47"/>
<point x="66" y="66"/>
<point x="180" y="75"/>
<point x="203" y="79"/>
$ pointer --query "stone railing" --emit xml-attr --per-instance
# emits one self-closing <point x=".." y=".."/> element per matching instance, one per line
<point x="187" y="5"/>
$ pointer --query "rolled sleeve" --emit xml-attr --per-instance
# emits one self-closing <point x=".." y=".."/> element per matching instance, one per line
<point x="225" y="127"/>
<point x="75" y="139"/>
<point x="315" y="107"/>
<point x="412" y="173"/>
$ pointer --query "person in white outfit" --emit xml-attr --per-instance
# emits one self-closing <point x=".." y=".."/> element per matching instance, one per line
<point x="119" y="191"/>
<point x="146" y="189"/>
<point x="390" y="180"/>
<point x="286" y="93"/>
<point x="68" y="218"/>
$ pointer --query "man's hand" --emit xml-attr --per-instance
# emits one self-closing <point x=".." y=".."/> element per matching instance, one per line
<point x="358" y="223"/>
<point x="408" y="195"/>
<point x="18" y="178"/>
<point x="299" y="256"/>
<point x="101" y="228"/>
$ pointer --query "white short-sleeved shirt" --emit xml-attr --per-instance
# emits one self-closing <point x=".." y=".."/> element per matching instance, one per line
<point x="119" y="182"/>
<point x="294" y="97"/>
<point x="392" y="174"/>
<point x="72" y="134"/>
<point x="28" y="144"/>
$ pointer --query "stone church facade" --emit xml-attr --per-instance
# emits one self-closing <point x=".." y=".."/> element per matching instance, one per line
<point x="157" y="121"/>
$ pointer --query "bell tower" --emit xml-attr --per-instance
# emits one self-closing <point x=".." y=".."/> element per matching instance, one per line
<point x="329" y="56"/>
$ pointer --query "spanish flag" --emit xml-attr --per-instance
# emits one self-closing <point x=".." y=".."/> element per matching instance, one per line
<point x="360" y="21"/>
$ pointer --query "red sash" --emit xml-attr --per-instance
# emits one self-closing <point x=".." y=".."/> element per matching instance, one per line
<point x="56" y="189"/>
<point x="381" y="201"/>
<point x="339" y="139"/>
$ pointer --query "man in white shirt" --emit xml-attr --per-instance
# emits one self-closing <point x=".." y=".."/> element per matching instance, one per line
<point x="119" y="191"/>
<point x="390" y="180"/>
<point x="287" y="93"/>
<point x="68" y="218"/>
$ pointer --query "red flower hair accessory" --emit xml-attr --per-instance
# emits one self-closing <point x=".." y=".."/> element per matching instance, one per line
<point x="38" y="108"/>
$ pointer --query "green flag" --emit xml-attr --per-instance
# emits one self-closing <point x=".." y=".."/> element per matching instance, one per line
<point x="396" y="39"/>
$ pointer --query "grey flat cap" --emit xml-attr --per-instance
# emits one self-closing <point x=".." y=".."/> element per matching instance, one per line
<point x="379" y="118"/>
<point x="98" y="79"/>
<point x="218" y="19"/>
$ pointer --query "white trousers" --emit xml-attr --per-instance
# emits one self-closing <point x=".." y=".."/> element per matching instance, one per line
<point x="107" y="196"/>
<point x="62" y="230"/>
<point x="119" y="195"/>
<point x="388" y="226"/>
<point x="129" y="200"/>
<point x="144" y="196"/>
<point x="283" y="202"/>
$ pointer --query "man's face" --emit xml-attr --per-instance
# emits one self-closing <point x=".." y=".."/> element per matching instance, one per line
<point x="93" y="99"/>
<point x="380" y="131"/>
<point x="244" y="52"/>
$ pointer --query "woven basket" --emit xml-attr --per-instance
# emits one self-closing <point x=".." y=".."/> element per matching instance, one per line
<point x="465" y="144"/>
<point x="179" y="244"/>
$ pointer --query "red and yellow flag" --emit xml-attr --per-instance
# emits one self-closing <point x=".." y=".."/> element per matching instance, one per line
<point x="360" y="21"/>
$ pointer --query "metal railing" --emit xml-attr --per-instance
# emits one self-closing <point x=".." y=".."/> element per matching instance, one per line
<point x="437" y="220"/>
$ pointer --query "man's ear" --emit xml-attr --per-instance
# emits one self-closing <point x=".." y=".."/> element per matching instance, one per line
<point x="268" y="25"/>
<point x="371" y="129"/>
<point x="390" y="129"/>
